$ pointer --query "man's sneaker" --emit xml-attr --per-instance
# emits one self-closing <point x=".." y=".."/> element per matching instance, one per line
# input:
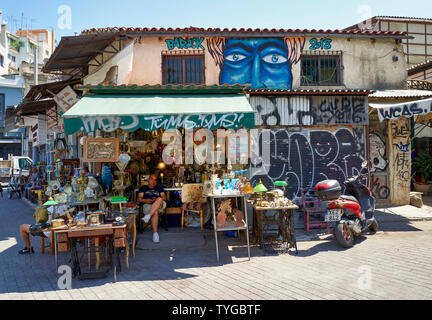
<point x="26" y="250"/>
<point x="155" y="237"/>
<point x="146" y="218"/>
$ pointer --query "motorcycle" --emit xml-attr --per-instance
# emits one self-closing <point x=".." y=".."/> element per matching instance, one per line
<point x="348" y="211"/>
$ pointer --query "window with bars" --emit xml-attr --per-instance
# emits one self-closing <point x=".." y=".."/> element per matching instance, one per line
<point x="321" y="70"/>
<point x="184" y="69"/>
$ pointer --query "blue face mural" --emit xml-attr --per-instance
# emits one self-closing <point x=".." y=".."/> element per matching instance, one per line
<point x="262" y="63"/>
<point x="258" y="62"/>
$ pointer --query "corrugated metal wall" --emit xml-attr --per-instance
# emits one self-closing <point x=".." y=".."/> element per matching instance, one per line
<point x="309" y="110"/>
<point x="312" y="138"/>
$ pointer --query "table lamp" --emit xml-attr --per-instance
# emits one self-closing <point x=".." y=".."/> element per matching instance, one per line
<point x="51" y="202"/>
<point x="281" y="184"/>
<point x="260" y="187"/>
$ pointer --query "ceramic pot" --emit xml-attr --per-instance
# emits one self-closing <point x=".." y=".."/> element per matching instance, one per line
<point x="221" y="219"/>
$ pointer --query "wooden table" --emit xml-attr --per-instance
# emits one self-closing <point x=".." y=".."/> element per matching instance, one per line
<point x="65" y="240"/>
<point x="286" y="224"/>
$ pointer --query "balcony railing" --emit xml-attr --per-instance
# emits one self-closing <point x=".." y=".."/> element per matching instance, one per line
<point x="420" y="84"/>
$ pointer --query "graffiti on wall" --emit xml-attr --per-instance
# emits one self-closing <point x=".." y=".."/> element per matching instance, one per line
<point x="378" y="160"/>
<point x="401" y="145"/>
<point x="309" y="110"/>
<point x="180" y="43"/>
<point x="379" y="186"/>
<point x="258" y="62"/>
<point x="304" y="157"/>
<point x="323" y="44"/>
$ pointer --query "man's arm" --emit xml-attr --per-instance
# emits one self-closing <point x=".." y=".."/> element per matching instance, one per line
<point x="163" y="196"/>
<point x="142" y="200"/>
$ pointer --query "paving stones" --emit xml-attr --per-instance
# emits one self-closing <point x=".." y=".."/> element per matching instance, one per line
<point x="392" y="264"/>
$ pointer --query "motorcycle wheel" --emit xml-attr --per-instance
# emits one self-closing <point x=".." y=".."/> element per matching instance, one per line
<point x="344" y="236"/>
<point x="373" y="226"/>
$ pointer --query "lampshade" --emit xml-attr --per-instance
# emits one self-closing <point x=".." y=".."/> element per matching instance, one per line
<point x="260" y="187"/>
<point x="50" y="203"/>
<point x="281" y="183"/>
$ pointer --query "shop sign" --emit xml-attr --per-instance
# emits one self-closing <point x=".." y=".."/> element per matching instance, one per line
<point x="408" y="110"/>
<point x="66" y="98"/>
<point x="155" y="122"/>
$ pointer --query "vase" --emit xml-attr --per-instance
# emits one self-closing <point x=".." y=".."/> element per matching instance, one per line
<point x="221" y="219"/>
<point x="239" y="218"/>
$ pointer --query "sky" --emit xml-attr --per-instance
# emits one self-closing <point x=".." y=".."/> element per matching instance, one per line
<point x="68" y="18"/>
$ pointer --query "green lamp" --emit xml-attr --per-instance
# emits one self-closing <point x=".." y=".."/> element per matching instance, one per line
<point x="281" y="184"/>
<point x="51" y="202"/>
<point x="260" y="187"/>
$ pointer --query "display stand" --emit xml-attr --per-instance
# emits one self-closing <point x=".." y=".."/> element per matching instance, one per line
<point x="286" y="225"/>
<point x="229" y="228"/>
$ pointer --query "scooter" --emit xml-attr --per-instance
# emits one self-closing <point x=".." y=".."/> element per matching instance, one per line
<point x="347" y="211"/>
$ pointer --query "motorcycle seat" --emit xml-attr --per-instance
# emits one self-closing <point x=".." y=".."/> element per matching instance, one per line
<point x="345" y="197"/>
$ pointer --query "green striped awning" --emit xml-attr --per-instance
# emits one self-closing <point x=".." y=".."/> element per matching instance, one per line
<point x="165" y="111"/>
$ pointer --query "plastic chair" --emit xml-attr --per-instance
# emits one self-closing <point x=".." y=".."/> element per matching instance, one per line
<point x="193" y="201"/>
<point x="311" y="205"/>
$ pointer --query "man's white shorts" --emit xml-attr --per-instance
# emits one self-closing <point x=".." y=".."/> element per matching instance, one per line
<point x="147" y="207"/>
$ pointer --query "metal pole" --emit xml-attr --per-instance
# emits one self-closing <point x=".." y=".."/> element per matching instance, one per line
<point x="36" y="82"/>
<point x="247" y="224"/>
<point x="215" y="227"/>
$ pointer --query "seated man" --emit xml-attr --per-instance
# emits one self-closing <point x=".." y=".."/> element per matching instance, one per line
<point x="153" y="197"/>
<point x="25" y="230"/>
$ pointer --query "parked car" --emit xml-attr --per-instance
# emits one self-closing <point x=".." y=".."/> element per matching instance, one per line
<point x="14" y="166"/>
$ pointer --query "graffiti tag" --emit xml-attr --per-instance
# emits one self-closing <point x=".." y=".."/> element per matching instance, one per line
<point x="316" y="44"/>
<point x="180" y="43"/>
<point x="304" y="157"/>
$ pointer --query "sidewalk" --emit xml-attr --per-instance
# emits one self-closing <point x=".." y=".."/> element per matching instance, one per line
<point x="383" y="215"/>
<point x="184" y="266"/>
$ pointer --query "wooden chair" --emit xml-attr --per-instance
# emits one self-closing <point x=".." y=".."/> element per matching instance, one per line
<point x="193" y="201"/>
<point x="311" y="206"/>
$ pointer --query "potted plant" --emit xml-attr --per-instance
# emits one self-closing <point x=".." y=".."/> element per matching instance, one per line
<point x="422" y="164"/>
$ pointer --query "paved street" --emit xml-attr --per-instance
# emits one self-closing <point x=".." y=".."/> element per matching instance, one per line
<point x="393" y="264"/>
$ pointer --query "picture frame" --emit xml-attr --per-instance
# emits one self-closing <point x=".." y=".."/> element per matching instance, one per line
<point x="101" y="149"/>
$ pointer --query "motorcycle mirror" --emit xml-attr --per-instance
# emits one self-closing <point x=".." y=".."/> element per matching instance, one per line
<point x="364" y="164"/>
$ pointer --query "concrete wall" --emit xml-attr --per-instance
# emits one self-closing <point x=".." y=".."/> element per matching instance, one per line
<point x="367" y="64"/>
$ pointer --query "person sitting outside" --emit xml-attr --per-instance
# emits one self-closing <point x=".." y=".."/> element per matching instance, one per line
<point x="34" y="179"/>
<point x="153" y="198"/>
<point x="24" y="230"/>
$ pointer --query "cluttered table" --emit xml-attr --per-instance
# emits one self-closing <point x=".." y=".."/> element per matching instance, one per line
<point x="285" y="224"/>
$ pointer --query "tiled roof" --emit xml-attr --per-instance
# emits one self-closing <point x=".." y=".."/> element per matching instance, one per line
<point x="395" y="94"/>
<point x="309" y="91"/>
<point x="224" y="88"/>
<point x="210" y="31"/>
<point x="419" y="67"/>
<point x="403" y="18"/>
<point x="151" y="89"/>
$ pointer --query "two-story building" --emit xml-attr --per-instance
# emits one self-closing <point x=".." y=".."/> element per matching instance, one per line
<point x="309" y="88"/>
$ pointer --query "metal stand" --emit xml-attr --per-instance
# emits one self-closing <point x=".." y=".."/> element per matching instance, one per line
<point x="216" y="229"/>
